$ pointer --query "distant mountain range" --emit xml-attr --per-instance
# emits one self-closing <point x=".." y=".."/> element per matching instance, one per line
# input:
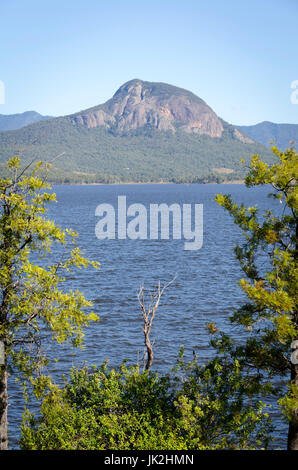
<point x="9" y="122"/>
<point x="266" y="132"/>
<point x="146" y="132"/>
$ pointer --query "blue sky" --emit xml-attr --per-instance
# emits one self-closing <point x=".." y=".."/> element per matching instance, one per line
<point x="58" y="57"/>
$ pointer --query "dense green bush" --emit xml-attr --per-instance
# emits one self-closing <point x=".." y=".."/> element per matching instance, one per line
<point x="193" y="407"/>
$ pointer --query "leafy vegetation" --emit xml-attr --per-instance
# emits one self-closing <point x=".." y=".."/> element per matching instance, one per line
<point x="32" y="298"/>
<point x="194" y="407"/>
<point x="269" y="260"/>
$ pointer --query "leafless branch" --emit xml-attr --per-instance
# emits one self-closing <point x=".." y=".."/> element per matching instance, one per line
<point x="149" y="312"/>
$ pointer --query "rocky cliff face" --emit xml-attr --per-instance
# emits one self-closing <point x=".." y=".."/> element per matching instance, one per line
<point x="166" y="107"/>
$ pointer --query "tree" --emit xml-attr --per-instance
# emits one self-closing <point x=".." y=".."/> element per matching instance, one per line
<point x="32" y="301"/>
<point x="148" y="313"/>
<point x="268" y="258"/>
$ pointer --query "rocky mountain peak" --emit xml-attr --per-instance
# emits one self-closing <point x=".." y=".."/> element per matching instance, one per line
<point x="165" y="107"/>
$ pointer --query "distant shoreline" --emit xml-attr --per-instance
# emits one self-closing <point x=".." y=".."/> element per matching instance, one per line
<point x="143" y="182"/>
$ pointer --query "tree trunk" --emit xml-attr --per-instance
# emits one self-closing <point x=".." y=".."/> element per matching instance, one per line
<point x="293" y="425"/>
<point x="3" y="408"/>
<point x="149" y="352"/>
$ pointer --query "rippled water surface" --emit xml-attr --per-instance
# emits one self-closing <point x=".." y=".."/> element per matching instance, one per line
<point x="205" y="290"/>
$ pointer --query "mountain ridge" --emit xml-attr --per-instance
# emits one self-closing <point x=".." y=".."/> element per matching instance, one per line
<point x="266" y="132"/>
<point x="148" y="131"/>
<point x="17" y="121"/>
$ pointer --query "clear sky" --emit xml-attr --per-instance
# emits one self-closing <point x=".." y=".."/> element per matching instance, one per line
<point x="60" y="56"/>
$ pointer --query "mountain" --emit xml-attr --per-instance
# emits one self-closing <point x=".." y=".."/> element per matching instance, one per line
<point x="164" y="107"/>
<point x="10" y="122"/>
<point x="146" y="132"/>
<point x="266" y="132"/>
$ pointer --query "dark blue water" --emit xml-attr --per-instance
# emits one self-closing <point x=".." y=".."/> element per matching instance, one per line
<point x="206" y="288"/>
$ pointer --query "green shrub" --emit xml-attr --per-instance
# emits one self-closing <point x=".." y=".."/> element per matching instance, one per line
<point x="128" y="409"/>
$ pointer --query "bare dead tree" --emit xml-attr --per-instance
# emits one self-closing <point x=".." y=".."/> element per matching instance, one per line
<point x="149" y="313"/>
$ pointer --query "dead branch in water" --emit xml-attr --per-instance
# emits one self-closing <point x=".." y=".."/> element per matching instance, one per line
<point x="149" y="313"/>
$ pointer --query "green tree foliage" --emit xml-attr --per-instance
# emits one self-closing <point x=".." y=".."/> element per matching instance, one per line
<point x="33" y="301"/>
<point x="193" y="407"/>
<point x="268" y="258"/>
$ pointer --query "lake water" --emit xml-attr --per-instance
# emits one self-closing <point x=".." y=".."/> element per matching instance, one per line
<point x="205" y="290"/>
